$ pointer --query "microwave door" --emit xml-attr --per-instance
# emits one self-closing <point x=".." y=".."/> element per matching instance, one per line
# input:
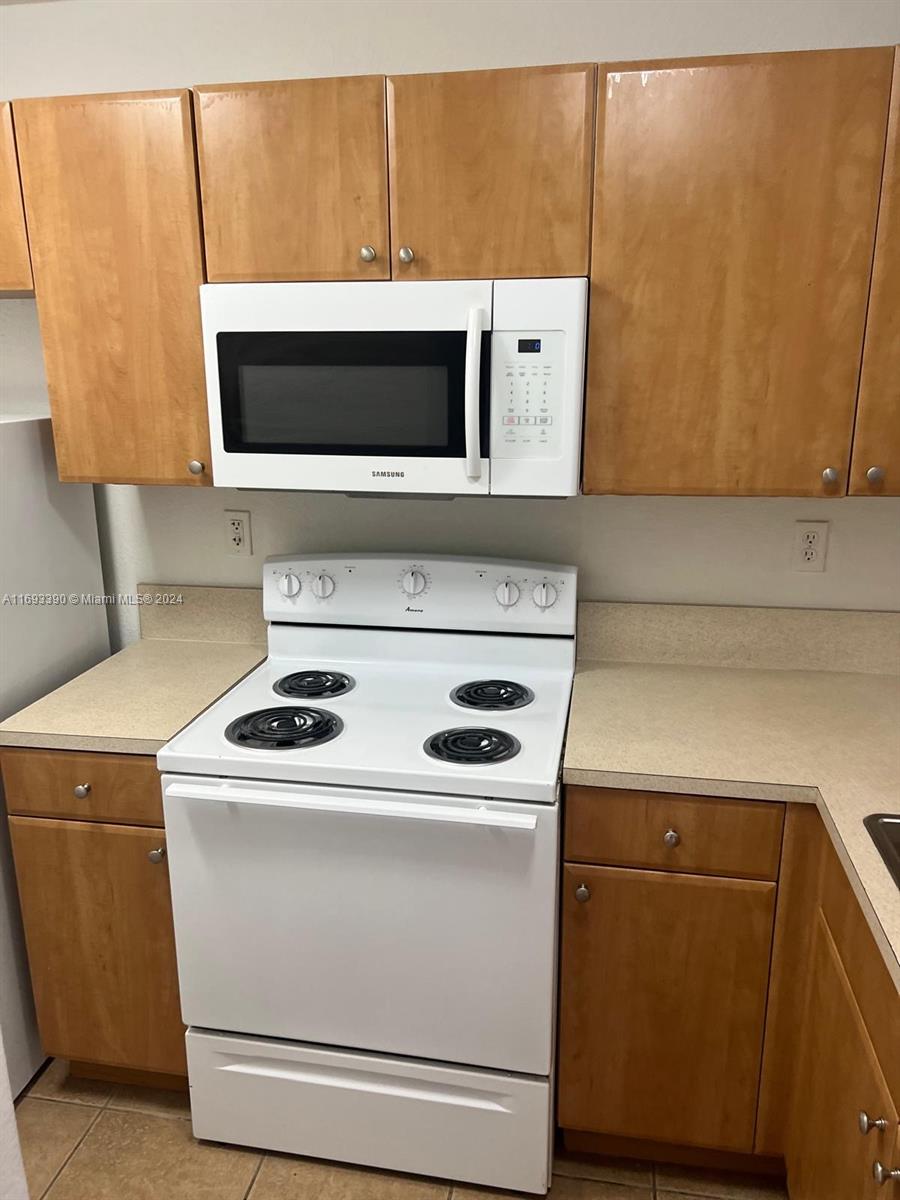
<point x="355" y="409"/>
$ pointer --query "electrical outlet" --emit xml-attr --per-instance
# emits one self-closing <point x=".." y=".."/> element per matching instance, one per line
<point x="810" y="546"/>
<point x="237" y="532"/>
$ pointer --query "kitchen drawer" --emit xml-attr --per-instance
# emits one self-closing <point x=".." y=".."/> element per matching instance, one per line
<point x="402" y="1114"/>
<point x="622" y="828"/>
<point x="123" y="788"/>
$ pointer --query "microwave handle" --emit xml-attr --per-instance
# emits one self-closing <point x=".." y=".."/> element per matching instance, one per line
<point x="473" y="393"/>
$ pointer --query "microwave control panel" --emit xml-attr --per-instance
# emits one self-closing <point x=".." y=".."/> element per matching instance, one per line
<point x="527" y="374"/>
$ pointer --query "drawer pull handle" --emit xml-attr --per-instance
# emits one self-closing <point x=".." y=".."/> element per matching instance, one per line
<point x="157" y="855"/>
<point x="867" y="1124"/>
<point x="582" y="893"/>
<point x="672" y="838"/>
<point x="80" y="790"/>
<point x="883" y="1174"/>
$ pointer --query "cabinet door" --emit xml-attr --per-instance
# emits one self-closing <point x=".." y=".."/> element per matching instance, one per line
<point x="101" y="948"/>
<point x="876" y="443"/>
<point x="15" y="263"/>
<point x="663" y="995"/>
<point x="838" y="1077"/>
<point x="111" y="197"/>
<point x="491" y="172"/>
<point x="293" y="177"/>
<point x="734" y="223"/>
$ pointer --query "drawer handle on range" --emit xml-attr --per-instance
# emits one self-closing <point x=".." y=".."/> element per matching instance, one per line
<point x="672" y="838"/>
<point x="473" y="393"/>
<point x="157" y="855"/>
<point x="867" y="1124"/>
<point x="397" y="809"/>
<point x="883" y="1174"/>
<point x="80" y="790"/>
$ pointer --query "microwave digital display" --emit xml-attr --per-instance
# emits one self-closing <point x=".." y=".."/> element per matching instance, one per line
<point x="529" y="345"/>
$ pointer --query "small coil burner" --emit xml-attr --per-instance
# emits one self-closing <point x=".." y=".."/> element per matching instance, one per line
<point x="314" y="685"/>
<point x="284" y="728"/>
<point x="492" y="695"/>
<point x="472" y="746"/>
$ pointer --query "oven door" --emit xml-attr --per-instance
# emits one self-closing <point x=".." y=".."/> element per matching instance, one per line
<point x="352" y="387"/>
<point x="394" y="922"/>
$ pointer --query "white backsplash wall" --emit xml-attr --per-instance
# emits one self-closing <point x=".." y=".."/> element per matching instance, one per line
<point x="712" y="551"/>
<point x="654" y="549"/>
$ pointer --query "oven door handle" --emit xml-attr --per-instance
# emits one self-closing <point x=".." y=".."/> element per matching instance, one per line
<point x="473" y="393"/>
<point x="406" y="810"/>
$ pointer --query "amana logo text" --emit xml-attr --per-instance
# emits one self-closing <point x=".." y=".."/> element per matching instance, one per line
<point x="388" y="474"/>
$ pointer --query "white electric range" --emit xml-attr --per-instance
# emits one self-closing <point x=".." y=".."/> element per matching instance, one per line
<point x="363" y="841"/>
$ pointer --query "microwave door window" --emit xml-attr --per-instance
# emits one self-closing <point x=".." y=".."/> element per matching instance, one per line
<point x="323" y="406"/>
<point x="366" y="393"/>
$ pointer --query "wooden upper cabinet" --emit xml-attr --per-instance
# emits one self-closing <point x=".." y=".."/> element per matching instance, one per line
<point x="15" y="262"/>
<point x="101" y="945"/>
<point x="838" y="1076"/>
<point x="491" y="172"/>
<point x="734" y="223"/>
<point x="876" y="444"/>
<point x="111" y="197"/>
<point x="662" y="1002"/>
<point x="293" y="177"/>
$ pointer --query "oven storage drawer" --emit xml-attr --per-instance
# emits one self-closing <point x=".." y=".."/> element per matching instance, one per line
<point x="476" y="1126"/>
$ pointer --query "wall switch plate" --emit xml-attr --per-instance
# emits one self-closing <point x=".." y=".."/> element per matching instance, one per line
<point x="237" y="532"/>
<point x="810" y="546"/>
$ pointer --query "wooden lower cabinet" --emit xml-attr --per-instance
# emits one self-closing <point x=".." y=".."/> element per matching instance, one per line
<point x="837" y="1078"/>
<point x="663" y="997"/>
<point x="101" y="950"/>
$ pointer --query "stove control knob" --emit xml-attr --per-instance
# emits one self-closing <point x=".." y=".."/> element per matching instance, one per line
<point x="413" y="583"/>
<point x="322" y="586"/>
<point x="507" y="593"/>
<point x="544" y="595"/>
<point x="289" y="585"/>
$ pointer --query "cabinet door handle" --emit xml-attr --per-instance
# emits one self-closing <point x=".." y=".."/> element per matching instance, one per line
<point x="80" y="790"/>
<point x="157" y="855"/>
<point x="875" y="474"/>
<point x="830" y="476"/>
<point x="196" y="467"/>
<point x="367" y="253"/>
<point x="883" y="1174"/>
<point x="672" y="838"/>
<point x="406" y="254"/>
<point x="867" y="1124"/>
<point x="582" y="893"/>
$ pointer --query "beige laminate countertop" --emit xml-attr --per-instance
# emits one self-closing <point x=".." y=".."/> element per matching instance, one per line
<point x="135" y="701"/>
<point x="831" y="738"/>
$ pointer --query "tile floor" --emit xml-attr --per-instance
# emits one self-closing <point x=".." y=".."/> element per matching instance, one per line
<point x="95" y="1141"/>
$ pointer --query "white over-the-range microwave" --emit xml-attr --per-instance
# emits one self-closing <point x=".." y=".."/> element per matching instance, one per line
<point x="463" y="387"/>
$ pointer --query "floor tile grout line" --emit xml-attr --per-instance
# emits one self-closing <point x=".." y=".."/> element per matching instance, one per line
<point x="63" y="1100"/>
<point x="252" y="1184"/>
<point x="68" y="1158"/>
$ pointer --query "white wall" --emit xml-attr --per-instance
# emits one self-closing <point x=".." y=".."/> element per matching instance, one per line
<point x="702" y="551"/>
<point x="105" y="45"/>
